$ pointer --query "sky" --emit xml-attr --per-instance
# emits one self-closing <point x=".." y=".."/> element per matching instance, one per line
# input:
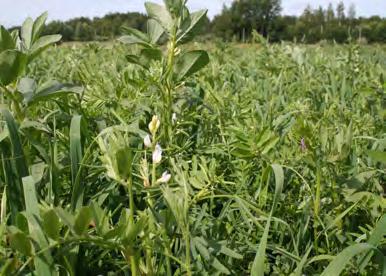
<point x="13" y="12"/>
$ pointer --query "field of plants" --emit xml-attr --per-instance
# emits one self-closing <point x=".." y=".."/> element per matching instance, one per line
<point x="158" y="155"/>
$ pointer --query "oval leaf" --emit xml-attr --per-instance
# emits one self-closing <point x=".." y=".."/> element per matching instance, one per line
<point x="190" y="63"/>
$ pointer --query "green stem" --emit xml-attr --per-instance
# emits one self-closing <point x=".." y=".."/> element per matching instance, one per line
<point x="317" y="206"/>
<point x="133" y="262"/>
<point x="168" y="84"/>
<point x="187" y="253"/>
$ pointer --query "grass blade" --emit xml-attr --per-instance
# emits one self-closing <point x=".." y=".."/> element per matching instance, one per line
<point x="76" y="157"/>
<point x="343" y="258"/>
<point x="42" y="263"/>
<point x="258" y="264"/>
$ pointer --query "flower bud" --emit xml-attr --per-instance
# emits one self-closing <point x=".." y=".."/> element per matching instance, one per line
<point x="174" y="118"/>
<point x="147" y="141"/>
<point x="154" y="124"/>
<point x="157" y="154"/>
<point x="164" y="178"/>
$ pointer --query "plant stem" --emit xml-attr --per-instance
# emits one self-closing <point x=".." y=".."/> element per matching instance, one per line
<point x="167" y="253"/>
<point x="316" y="206"/>
<point x="187" y="253"/>
<point x="133" y="263"/>
<point x="168" y="85"/>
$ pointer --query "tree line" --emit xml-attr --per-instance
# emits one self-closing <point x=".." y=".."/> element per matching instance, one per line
<point x="238" y="21"/>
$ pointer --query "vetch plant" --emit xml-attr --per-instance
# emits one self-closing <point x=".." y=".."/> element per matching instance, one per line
<point x="174" y="22"/>
<point x="17" y="51"/>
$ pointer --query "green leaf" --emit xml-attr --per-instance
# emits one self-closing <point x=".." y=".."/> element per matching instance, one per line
<point x="175" y="6"/>
<point x="154" y="31"/>
<point x="145" y="58"/>
<point x="258" y="266"/>
<point x="338" y="264"/>
<point x="301" y="264"/>
<point x="27" y="86"/>
<point x="42" y="263"/>
<point x="42" y="43"/>
<point x="51" y="224"/>
<point x="375" y="239"/>
<point x="377" y="156"/>
<point x="160" y="14"/>
<point x="12" y="65"/>
<point x="20" y="242"/>
<point x="38" y="26"/>
<point x="82" y="220"/>
<point x="220" y="267"/>
<point x="150" y="54"/>
<point x="48" y="90"/>
<point x="196" y="21"/>
<point x="191" y="62"/>
<point x="6" y="40"/>
<point x="26" y="33"/>
<point x="124" y="158"/>
<point x="17" y="148"/>
<point x="134" y="37"/>
<point x="76" y="158"/>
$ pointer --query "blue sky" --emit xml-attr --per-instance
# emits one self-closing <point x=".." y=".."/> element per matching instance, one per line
<point x="12" y="12"/>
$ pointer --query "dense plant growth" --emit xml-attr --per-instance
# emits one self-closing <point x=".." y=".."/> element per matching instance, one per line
<point x="142" y="158"/>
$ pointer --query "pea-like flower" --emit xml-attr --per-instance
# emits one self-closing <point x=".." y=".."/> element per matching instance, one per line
<point x="157" y="154"/>
<point x="154" y="124"/>
<point x="174" y="118"/>
<point x="164" y="178"/>
<point x="147" y="141"/>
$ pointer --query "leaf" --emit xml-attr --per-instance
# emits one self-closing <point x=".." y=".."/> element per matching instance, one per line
<point x="377" y="156"/>
<point x="299" y="268"/>
<point x="48" y="90"/>
<point x="42" y="43"/>
<point x="150" y="54"/>
<point x="26" y="86"/>
<point x="12" y="64"/>
<point x="134" y="37"/>
<point x="196" y="21"/>
<point x="124" y="158"/>
<point x="51" y="224"/>
<point x="26" y="33"/>
<point x="42" y="264"/>
<point x="175" y="6"/>
<point x="146" y="57"/>
<point x="191" y="62"/>
<point x="38" y="26"/>
<point x="82" y="220"/>
<point x="6" y="40"/>
<point x="76" y="157"/>
<point x="20" y="242"/>
<point x="220" y="267"/>
<point x="17" y="148"/>
<point x="258" y="266"/>
<point x="376" y="237"/>
<point x="160" y="14"/>
<point x="154" y="30"/>
<point x="340" y="261"/>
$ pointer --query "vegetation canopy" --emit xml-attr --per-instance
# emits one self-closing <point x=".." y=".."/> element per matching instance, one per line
<point x="158" y="155"/>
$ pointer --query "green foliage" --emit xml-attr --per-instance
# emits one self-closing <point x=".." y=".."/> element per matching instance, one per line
<point x="164" y="165"/>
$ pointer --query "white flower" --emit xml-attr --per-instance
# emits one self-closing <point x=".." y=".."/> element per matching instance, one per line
<point x="147" y="141"/>
<point x="174" y="118"/>
<point x="154" y="124"/>
<point x="157" y="154"/>
<point x="164" y="178"/>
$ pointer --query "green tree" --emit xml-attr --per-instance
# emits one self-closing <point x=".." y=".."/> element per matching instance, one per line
<point x="330" y="13"/>
<point x="340" y="12"/>
<point x="247" y="15"/>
